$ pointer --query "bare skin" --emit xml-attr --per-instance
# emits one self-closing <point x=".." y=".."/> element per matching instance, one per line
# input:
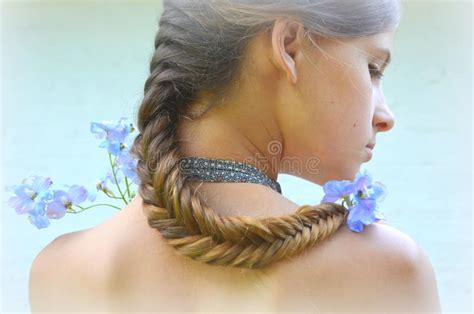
<point x="123" y="264"/>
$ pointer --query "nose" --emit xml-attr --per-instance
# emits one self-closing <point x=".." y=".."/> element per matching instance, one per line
<point x="383" y="118"/>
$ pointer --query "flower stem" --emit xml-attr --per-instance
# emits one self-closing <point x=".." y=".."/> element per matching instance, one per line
<point x="346" y="200"/>
<point x="112" y="164"/>
<point x="128" y="188"/>
<point x="110" y="194"/>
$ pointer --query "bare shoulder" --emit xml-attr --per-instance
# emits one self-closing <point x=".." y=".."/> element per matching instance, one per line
<point x="65" y="273"/>
<point x="379" y="268"/>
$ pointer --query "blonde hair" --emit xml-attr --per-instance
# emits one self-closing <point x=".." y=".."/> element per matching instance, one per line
<point x="199" y="47"/>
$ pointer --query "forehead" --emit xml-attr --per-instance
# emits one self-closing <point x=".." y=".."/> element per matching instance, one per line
<point x="382" y="39"/>
<point x="378" y="44"/>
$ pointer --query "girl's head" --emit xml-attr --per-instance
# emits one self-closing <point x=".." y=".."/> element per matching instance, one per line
<point x="333" y="106"/>
<point x="303" y="73"/>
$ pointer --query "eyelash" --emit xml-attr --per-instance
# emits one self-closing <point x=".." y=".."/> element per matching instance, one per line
<point x="374" y="72"/>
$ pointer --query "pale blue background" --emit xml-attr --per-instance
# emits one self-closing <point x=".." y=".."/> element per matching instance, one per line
<point x="65" y="65"/>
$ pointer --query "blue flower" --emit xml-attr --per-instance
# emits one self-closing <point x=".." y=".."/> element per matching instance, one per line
<point x="130" y="170"/>
<point x="118" y="138"/>
<point x="62" y="201"/>
<point x="31" y="197"/>
<point x="360" y="216"/>
<point x="128" y="166"/>
<point x="362" y="196"/>
<point x="35" y="198"/>
<point x="104" y="185"/>
<point x="368" y="193"/>
<point x="114" y="134"/>
<point x="334" y="190"/>
<point x="106" y="180"/>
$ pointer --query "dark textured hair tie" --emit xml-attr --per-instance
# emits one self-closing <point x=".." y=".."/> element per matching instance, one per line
<point x="222" y="170"/>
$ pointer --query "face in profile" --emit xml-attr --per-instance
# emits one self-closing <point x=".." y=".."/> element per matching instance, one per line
<point x="309" y="105"/>
<point x="336" y="106"/>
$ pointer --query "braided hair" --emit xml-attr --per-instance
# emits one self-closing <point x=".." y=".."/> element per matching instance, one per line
<point x="199" y="47"/>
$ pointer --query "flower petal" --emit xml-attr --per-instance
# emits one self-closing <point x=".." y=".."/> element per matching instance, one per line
<point x="77" y="194"/>
<point x="114" y="148"/>
<point x="329" y="199"/>
<point x="56" y="209"/>
<point x="379" y="191"/>
<point x="130" y="171"/>
<point x="366" y="203"/>
<point x="21" y="204"/>
<point x="38" y="208"/>
<point x="39" y="221"/>
<point x="98" y="129"/>
<point x="363" y="180"/>
<point x="335" y="190"/>
<point x="361" y="214"/>
<point x="24" y="191"/>
<point x="355" y="226"/>
<point x="60" y="196"/>
<point x="41" y="184"/>
<point x="338" y="187"/>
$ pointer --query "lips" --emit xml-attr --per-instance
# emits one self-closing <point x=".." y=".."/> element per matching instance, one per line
<point x="369" y="148"/>
<point x="371" y="145"/>
<point x="369" y="153"/>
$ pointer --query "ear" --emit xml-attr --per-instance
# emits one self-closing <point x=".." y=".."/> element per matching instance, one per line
<point x="285" y="45"/>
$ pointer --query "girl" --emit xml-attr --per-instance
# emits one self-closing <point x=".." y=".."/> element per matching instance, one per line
<point x="240" y="91"/>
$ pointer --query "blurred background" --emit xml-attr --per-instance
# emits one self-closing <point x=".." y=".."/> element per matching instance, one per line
<point x="65" y="64"/>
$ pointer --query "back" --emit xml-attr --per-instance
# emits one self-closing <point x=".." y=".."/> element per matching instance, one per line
<point x="125" y="265"/>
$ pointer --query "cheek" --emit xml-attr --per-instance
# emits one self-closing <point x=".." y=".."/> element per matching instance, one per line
<point x="331" y="114"/>
<point x="346" y="117"/>
<point x="358" y="112"/>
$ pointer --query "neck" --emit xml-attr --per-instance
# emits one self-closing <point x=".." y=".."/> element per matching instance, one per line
<point x="232" y="142"/>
